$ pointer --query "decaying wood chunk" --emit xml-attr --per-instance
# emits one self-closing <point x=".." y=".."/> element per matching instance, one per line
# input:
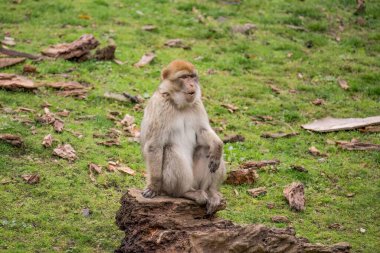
<point x="234" y="138"/>
<point x="15" y="53"/>
<point x="258" y="164"/>
<point x="106" y="53"/>
<point x="6" y="62"/>
<point x="12" y="139"/>
<point x="280" y="219"/>
<point x="333" y="124"/>
<point x="295" y="194"/>
<point x="256" y="192"/>
<point x="65" y="151"/>
<point x="242" y="176"/>
<point x="278" y="135"/>
<point x="145" y="59"/>
<point x="74" y="50"/>
<point x="165" y="224"/>
<point x="14" y="82"/>
<point x="357" y="145"/>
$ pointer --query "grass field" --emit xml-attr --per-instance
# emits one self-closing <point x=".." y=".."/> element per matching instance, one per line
<point x="330" y="45"/>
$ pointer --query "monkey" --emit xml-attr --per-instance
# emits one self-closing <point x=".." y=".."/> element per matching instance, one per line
<point x="183" y="154"/>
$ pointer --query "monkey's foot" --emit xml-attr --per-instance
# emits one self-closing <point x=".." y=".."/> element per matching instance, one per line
<point x="213" y="205"/>
<point x="149" y="193"/>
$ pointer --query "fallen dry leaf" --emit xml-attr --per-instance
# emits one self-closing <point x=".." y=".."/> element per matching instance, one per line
<point x="149" y="28"/>
<point x="58" y="125"/>
<point x="126" y="170"/>
<point x="65" y="151"/>
<point x="315" y="152"/>
<point x="343" y="84"/>
<point x="109" y="143"/>
<point x="256" y="192"/>
<point x="335" y="226"/>
<point x="280" y="219"/>
<point x="74" y="50"/>
<point x="357" y="145"/>
<point x="112" y="166"/>
<point x="128" y="120"/>
<point x="12" y="139"/>
<point x="63" y="113"/>
<point x="234" y="138"/>
<point x="66" y="85"/>
<point x="8" y="41"/>
<point x="145" y="59"/>
<point x="47" y="141"/>
<point x="29" y="69"/>
<point x="13" y="82"/>
<point x="295" y="194"/>
<point x="298" y="168"/>
<point x="271" y="205"/>
<point x="174" y="43"/>
<point x="242" y="176"/>
<point x="278" y="135"/>
<point x="335" y="124"/>
<point x="6" y="62"/>
<point x="318" y="101"/>
<point x="92" y="167"/>
<point x="230" y="107"/>
<point x="244" y="29"/>
<point x="47" y="117"/>
<point x="258" y="164"/>
<point x="31" y="178"/>
<point x="25" y="109"/>
<point x="275" y="89"/>
<point x="132" y="131"/>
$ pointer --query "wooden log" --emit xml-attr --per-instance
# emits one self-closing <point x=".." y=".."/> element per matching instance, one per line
<point x="165" y="224"/>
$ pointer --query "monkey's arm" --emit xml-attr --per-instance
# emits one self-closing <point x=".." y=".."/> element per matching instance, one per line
<point x="207" y="137"/>
<point x="153" y="153"/>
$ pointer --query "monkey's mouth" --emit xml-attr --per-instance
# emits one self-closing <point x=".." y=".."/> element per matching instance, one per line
<point x="190" y="93"/>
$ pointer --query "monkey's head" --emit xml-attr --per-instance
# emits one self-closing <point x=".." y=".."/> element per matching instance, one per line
<point x="180" y="83"/>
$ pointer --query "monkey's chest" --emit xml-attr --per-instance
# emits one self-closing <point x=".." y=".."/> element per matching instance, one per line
<point x="183" y="134"/>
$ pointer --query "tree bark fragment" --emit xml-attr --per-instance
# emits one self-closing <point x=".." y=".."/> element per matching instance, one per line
<point x="165" y="224"/>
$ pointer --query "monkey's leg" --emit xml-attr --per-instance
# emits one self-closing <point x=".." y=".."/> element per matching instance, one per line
<point x="199" y="196"/>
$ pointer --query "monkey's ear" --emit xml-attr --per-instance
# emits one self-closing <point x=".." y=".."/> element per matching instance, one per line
<point x="165" y="74"/>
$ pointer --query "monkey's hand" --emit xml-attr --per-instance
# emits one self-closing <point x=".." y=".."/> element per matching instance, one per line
<point x="214" y="163"/>
<point x="150" y="192"/>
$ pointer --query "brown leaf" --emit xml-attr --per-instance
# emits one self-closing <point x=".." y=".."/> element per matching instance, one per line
<point x="244" y="29"/>
<point x="357" y="145"/>
<point x="280" y="219"/>
<point x="145" y="59"/>
<point x="106" y="53"/>
<point x="295" y="194"/>
<point x="128" y="120"/>
<point x="112" y="166"/>
<point x="25" y="109"/>
<point x="63" y="113"/>
<point x="242" y="176"/>
<point x="74" y="50"/>
<point x="336" y="226"/>
<point x="31" y="178"/>
<point x="258" y="164"/>
<point x="271" y="205"/>
<point x="126" y="170"/>
<point x="79" y="93"/>
<point x="234" y="138"/>
<point x="66" y="85"/>
<point x="109" y="143"/>
<point x="343" y="84"/>
<point x="174" y="43"/>
<point x="15" y="53"/>
<point x="92" y="167"/>
<point x="278" y="135"/>
<point x="299" y="168"/>
<point x="149" y="28"/>
<point x="47" y="117"/>
<point x="230" y="107"/>
<point x="6" y="62"/>
<point x="65" y="151"/>
<point x="315" y="152"/>
<point x="275" y="89"/>
<point x="13" y="82"/>
<point x="29" y="69"/>
<point x="12" y="139"/>
<point x="318" y="101"/>
<point x="132" y="131"/>
<point x="47" y="141"/>
<point x="58" y="125"/>
<point x="256" y="192"/>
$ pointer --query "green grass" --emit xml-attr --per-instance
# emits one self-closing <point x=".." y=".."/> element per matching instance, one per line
<point x="47" y="217"/>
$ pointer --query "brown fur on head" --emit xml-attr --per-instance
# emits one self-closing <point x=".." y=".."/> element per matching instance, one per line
<point x="177" y="67"/>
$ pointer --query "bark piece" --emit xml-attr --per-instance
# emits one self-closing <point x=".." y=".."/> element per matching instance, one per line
<point x="66" y="85"/>
<point x="29" y="69"/>
<point x="230" y="107"/>
<point x="343" y="84"/>
<point x="295" y="194"/>
<point x="242" y="176"/>
<point x="47" y="141"/>
<point x="65" y="151"/>
<point x="12" y="139"/>
<point x="335" y="124"/>
<point x="126" y="170"/>
<point x="256" y="192"/>
<point x="74" y="50"/>
<point x="31" y="178"/>
<point x="149" y="28"/>
<point x="14" y="82"/>
<point x="165" y="224"/>
<point x="109" y="143"/>
<point x="370" y="129"/>
<point x="128" y="120"/>
<point x="58" y="125"/>
<point x="280" y="219"/>
<point x="106" y="53"/>
<point x="6" y="62"/>
<point x="318" y="101"/>
<point x="124" y="97"/>
<point x="145" y="60"/>
<point x="14" y="53"/>
<point x="244" y="29"/>
<point x="278" y="135"/>
<point x="299" y="168"/>
<point x="275" y="89"/>
<point x="234" y="138"/>
<point x="357" y="145"/>
<point x="174" y="43"/>
<point x="92" y="167"/>
<point x="258" y="164"/>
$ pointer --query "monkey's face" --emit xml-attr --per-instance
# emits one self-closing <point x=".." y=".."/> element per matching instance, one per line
<point x="189" y="86"/>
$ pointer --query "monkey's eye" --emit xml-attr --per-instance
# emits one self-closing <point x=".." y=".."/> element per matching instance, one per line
<point x="184" y="77"/>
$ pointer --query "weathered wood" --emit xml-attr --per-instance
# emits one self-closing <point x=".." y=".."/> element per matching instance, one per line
<point x="165" y="224"/>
